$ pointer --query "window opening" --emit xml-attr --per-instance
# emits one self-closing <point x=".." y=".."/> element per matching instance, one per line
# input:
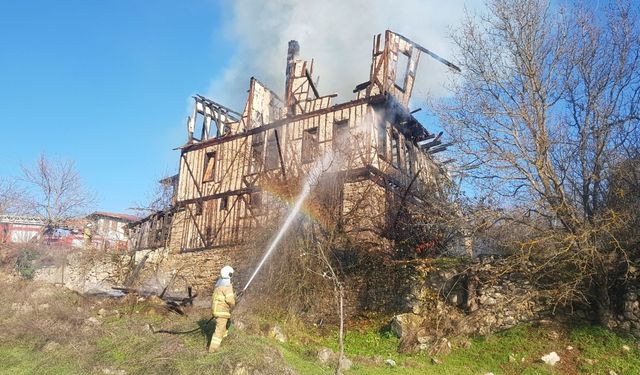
<point x="210" y="166"/>
<point x="402" y="70"/>
<point x="310" y="145"/>
<point x="395" y="149"/>
<point x="271" y="158"/>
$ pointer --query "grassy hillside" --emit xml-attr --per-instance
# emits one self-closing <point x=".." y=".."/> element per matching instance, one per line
<point x="50" y="330"/>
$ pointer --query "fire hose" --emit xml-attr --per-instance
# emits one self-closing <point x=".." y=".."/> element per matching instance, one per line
<point x="199" y="328"/>
<point x="179" y="332"/>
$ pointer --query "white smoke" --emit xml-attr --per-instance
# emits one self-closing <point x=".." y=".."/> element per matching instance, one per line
<point x="337" y="34"/>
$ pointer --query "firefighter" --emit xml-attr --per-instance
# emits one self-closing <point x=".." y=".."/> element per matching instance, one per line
<point x="88" y="236"/>
<point x="223" y="301"/>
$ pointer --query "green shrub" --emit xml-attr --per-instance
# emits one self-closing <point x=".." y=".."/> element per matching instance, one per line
<point x="25" y="264"/>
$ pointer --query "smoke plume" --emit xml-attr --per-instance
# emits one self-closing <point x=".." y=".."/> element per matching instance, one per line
<point x="337" y="34"/>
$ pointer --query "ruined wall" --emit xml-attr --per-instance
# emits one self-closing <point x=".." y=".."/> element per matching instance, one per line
<point x="234" y="157"/>
<point x="363" y="209"/>
<point x="88" y="271"/>
<point x="151" y="270"/>
<point x="393" y="67"/>
<point x="450" y="298"/>
<point x="151" y="232"/>
<point x="223" y="202"/>
<point x="224" y="182"/>
<point x="399" y="158"/>
<point x="491" y="298"/>
<point x="628" y="315"/>
<point x="198" y="270"/>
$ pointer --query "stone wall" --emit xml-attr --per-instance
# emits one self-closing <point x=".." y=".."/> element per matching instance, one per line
<point x="628" y="317"/>
<point x="451" y="297"/>
<point x="88" y="271"/>
<point x="177" y="271"/>
<point x="438" y="298"/>
<point x="456" y="297"/>
<point x="371" y="283"/>
<point x="147" y="270"/>
<point x="482" y="291"/>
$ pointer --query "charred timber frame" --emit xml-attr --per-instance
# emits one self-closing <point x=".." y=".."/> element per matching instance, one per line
<point x="219" y="202"/>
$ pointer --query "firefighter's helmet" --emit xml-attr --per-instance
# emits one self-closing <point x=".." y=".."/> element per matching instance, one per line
<point x="226" y="272"/>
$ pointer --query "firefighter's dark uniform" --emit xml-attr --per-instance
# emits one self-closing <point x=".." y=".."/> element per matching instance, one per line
<point x="223" y="302"/>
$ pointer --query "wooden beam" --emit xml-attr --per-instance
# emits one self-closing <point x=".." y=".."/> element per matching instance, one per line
<point x="439" y="148"/>
<point x="376" y="99"/>
<point x="428" y="52"/>
<point x="195" y="224"/>
<point x="313" y="87"/>
<point x="435" y="142"/>
<point x="217" y="195"/>
<point x="284" y="173"/>
<point x="195" y="182"/>
<point x="224" y="220"/>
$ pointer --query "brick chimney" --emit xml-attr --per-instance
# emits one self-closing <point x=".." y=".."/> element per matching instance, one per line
<point x="292" y="56"/>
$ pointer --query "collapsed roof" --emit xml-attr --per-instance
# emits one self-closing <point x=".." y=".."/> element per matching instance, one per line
<point x="392" y="75"/>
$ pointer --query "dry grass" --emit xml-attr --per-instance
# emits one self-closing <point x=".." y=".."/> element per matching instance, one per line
<point x="48" y="329"/>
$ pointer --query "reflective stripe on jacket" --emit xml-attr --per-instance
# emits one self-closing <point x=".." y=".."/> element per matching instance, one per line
<point x="223" y="299"/>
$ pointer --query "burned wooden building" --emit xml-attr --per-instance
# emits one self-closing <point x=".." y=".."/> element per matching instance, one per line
<point x="236" y="165"/>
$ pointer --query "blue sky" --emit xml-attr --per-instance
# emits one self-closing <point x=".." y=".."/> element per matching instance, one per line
<point x="105" y="83"/>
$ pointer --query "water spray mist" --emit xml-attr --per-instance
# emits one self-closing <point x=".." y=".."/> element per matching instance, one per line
<point x="312" y="179"/>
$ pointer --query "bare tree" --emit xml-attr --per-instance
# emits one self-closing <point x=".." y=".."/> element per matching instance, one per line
<point x="427" y="220"/>
<point x="161" y="197"/>
<point x="10" y="196"/>
<point x="547" y="103"/>
<point x="57" y="193"/>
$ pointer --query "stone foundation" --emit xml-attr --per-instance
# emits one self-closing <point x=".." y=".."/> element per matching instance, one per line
<point x="177" y="271"/>
<point x="439" y="298"/>
<point x="87" y="271"/>
<point x="480" y="297"/>
<point x="628" y="318"/>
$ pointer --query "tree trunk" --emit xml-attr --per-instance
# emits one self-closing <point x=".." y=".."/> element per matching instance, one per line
<point x="602" y="303"/>
<point x="341" y="330"/>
